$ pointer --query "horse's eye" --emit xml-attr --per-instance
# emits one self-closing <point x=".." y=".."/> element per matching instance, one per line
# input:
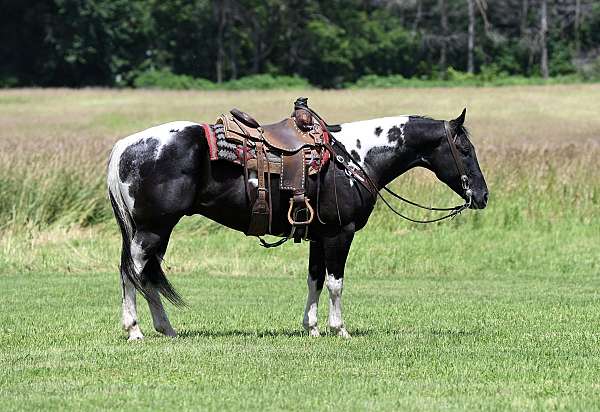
<point x="463" y="147"/>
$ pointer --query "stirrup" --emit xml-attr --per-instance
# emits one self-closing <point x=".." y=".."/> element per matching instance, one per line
<point x="311" y="213"/>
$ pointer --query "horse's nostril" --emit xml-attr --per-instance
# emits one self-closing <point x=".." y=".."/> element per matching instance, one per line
<point x="485" y="198"/>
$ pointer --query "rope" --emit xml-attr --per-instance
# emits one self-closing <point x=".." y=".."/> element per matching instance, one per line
<point x="268" y="245"/>
<point x="453" y="210"/>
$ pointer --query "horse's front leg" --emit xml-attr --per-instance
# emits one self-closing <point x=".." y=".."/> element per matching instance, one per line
<point x="315" y="280"/>
<point x="336" y="250"/>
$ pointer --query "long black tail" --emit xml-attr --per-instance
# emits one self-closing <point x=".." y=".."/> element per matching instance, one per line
<point x="152" y="272"/>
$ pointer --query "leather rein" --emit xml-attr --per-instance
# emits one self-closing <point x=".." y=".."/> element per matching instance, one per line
<point x="372" y="187"/>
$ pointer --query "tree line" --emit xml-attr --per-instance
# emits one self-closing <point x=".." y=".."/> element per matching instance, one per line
<point x="111" y="42"/>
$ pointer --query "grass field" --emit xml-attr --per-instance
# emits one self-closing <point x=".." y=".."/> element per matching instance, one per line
<point x="495" y="310"/>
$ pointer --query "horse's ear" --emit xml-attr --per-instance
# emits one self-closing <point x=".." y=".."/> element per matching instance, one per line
<point x="458" y="122"/>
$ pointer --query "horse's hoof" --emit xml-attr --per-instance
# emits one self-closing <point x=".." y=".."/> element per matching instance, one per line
<point x="135" y="333"/>
<point x="170" y="332"/>
<point x="133" y="337"/>
<point x="344" y="334"/>
<point x="314" y="332"/>
<point x="341" y="332"/>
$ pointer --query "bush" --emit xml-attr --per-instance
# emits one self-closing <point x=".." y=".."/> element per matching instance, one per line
<point x="375" y="81"/>
<point x="267" y="82"/>
<point x="165" y="79"/>
<point x="490" y="76"/>
<point x="456" y="76"/>
<point x="8" y="81"/>
<point x="591" y="71"/>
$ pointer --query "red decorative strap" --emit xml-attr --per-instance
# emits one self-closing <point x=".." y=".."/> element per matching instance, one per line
<point x="211" y="139"/>
<point x="325" y="154"/>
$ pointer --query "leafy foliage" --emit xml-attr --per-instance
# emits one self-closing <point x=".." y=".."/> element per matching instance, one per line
<point x="267" y="81"/>
<point x="165" y="79"/>
<point x="330" y="43"/>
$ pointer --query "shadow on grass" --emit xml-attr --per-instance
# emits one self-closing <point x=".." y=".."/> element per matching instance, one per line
<point x="257" y="333"/>
<point x="292" y="333"/>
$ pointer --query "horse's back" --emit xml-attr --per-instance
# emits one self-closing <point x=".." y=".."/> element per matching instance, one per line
<point x="156" y="170"/>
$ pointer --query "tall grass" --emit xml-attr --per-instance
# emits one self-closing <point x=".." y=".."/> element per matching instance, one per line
<point x="54" y="147"/>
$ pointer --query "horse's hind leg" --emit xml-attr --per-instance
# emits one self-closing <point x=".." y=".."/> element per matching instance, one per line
<point x="159" y="316"/>
<point x="130" y="319"/>
<point x="147" y="250"/>
<point x="160" y="319"/>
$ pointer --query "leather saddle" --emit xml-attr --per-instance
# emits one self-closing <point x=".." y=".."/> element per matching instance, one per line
<point x="293" y="139"/>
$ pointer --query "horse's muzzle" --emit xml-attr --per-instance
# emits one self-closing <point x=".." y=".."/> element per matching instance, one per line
<point x="479" y="199"/>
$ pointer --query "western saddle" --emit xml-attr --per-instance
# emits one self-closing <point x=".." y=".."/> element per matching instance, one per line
<point x="281" y="148"/>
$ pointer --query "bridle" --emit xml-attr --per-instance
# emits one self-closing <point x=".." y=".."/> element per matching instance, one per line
<point x="464" y="180"/>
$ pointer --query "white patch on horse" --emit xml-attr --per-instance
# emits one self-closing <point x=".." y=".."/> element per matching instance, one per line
<point x="163" y="133"/>
<point x="253" y="178"/>
<point x="361" y="137"/>
<point x="118" y="189"/>
<point x="336" y="324"/>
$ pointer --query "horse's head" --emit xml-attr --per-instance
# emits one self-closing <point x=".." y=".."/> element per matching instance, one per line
<point x="450" y="163"/>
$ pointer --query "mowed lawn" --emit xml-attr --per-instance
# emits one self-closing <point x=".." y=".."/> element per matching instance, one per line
<point x="498" y="309"/>
<point x="441" y="319"/>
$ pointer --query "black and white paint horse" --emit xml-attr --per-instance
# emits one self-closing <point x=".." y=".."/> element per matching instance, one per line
<point x="157" y="176"/>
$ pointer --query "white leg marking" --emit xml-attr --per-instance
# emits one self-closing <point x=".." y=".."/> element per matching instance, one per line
<point x="312" y="305"/>
<point x="130" y="321"/>
<point x="336" y="324"/>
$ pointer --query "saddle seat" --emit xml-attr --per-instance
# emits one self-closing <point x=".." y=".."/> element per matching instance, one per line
<point x="286" y="135"/>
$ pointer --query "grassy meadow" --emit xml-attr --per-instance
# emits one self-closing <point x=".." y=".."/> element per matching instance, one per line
<point x="495" y="310"/>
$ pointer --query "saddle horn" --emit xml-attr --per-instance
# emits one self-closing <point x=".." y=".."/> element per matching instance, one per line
<point x="302" y="103"/>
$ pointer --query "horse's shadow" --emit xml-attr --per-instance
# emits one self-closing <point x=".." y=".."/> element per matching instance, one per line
<point x="231" y="333"/>
<point x="294" y="333"/>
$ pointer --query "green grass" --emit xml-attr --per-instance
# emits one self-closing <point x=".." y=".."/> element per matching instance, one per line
<point x="496" y="309"/>
<point x="443" y="318"/>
